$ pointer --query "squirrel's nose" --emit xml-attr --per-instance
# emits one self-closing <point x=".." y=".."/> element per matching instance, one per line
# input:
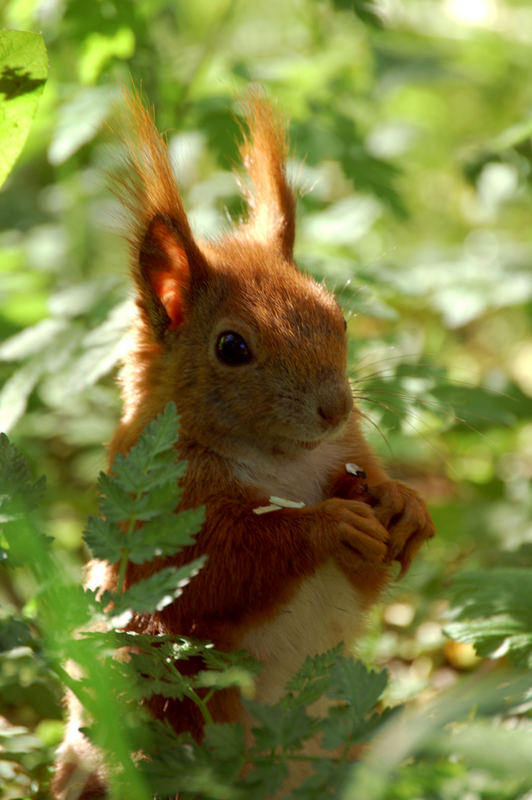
<point x="335" y="407"/>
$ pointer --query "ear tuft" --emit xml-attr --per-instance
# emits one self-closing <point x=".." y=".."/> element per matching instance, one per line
<point x="263" y="151"/>
<point x="166" y="260"/>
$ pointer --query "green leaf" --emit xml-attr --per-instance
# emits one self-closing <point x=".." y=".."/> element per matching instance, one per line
<point x="164" y="536"/>
<point x="142" y="469"/>
<point x="312" y="679"/>
<point x="352" y="682"/>
<point x="280" y="726"/>
<point x="16" y="391"/>
<point x="482" y="407"/>
<point x="23" y="72"/>
<point x="265" y="779"/>
<point x="143" y="487"/>
<point x="342" y="728"/>
<point x="156" y="592"/>
<point x="214" y="659"/>
<point x="512" y="136"/>
<point x="104" y="539"/>
<point x="159" y="436"/>
<point x="20" y="493"/>
<point x="225" y="746"/>
<point x="151" y="462"/>
<point x="365" y="10"/>
<point x="225" y="679"/>
<point x="502" y="750"/>
<point x="493" y="609"/>
<point x="169" y="647"/>
<point x="32" y="340"/>
<point x="156" y="676"/>
<point x="13" y="633"/>
<point x="226" y="741"/>
<point x="100" y="48"/>
<point x="326" y="781"/>
<point x="115" y="503"/>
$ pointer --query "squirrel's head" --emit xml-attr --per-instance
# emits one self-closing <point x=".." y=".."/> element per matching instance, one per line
<point x="252" y="351"/>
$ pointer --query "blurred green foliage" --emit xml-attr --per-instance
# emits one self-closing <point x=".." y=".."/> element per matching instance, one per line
<point x="411" y="146"/>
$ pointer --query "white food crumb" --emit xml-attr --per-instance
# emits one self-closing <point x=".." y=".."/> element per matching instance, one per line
<point x="354" y="469"/>
<point x="276" y="504"/>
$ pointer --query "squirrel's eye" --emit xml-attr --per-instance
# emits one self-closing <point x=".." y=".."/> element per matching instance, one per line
<point x="232" y="349"/>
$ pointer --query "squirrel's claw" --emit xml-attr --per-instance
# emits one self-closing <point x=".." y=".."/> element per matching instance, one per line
<point x="404" y="514"/>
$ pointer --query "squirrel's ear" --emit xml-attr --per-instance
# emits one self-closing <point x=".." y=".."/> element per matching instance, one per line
<point x="167" y="262"/>
<point x="166" y="267"/>
<point x="271" y="200"/>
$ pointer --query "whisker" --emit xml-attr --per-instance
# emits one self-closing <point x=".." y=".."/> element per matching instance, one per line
<point x="451" y="415"/>
<point x="378" y="380"/>
<point x="440" y="452"/>
<point x="377" y="428"/>
<point x="436" y="406"/>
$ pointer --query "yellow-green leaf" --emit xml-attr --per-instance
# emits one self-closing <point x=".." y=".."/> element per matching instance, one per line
<point x="23" y="71"/>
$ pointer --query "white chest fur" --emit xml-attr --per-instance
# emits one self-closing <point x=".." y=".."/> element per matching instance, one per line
<point x="325" y="609"/>
<point x="323" y="612"/>
<point x="300" y="479"/>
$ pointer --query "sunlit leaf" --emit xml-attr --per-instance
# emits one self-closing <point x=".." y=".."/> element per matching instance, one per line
<point x="23" y="72"/>
<point x="493" y="610"/>
<point x="156" y="592"/>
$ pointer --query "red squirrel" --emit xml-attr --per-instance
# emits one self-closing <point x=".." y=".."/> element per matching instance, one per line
<point x="253" y="352"/>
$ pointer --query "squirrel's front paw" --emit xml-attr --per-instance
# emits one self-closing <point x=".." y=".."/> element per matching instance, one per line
<point x="404" y="514"/>
<point x="358" y="536"/>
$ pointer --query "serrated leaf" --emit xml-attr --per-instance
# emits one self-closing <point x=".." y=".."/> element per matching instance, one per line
<point x="353" y="683"/>
<point x="326" y="781"/>
<point x="214" y="659"/>
<point x="342" y="728"/>
<point x="164" y="536"/>
<point x="115" y="503"/>
<point x="19" y="492"/>
<point x="138" y="472"/>
<point x="312" y="679"/>
<point x="143" y="485"/>
<point x="226" y="741"/>
<point x="279" y="726"/>
<point x="184" y="767"/>
<point x="159" y="436"/>
<point x="157" y="591"/>
<point x="104" y="539"/>
<point x="176" y="648"/>
<point x="23" y="70"/>
<point x="265" y="779"/>
<point x="156" y="676"/>
<point x="119" y="506"/>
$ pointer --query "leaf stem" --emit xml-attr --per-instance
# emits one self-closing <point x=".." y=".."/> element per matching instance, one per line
<point x="201" y="704"/>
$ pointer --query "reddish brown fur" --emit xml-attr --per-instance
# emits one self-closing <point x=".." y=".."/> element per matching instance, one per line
<point x="286" y="417"/>
<point x="263" y="153"/>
